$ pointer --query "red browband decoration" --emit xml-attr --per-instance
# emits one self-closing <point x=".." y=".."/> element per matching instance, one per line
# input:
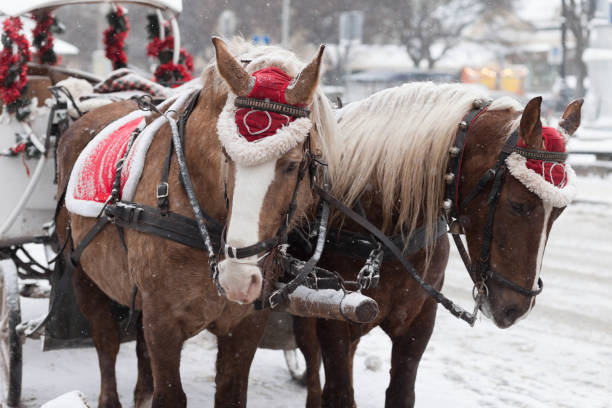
<point x="554" y="173"/>
<point x="253" y="124"/>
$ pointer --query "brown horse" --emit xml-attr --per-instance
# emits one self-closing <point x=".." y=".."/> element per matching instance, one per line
<point x="177" y="296"/>
<point x="394" y="159"/>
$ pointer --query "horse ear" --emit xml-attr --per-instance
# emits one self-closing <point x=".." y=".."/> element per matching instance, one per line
<point x="303" y="87"/>
<point x="571" y="119"/>
<point x="231" y="71"/>
<point x="531" y="126"/>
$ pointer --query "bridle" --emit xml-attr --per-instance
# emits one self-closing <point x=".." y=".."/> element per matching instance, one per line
<point x="263" y="247"/>
<point x="481" y="270"/>
<point x="308" y="165"/>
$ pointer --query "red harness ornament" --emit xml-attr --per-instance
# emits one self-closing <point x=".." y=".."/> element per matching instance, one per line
<point x="553" y="172"/>
<point x="253" y="124"/>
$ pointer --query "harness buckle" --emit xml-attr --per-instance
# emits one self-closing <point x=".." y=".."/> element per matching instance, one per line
<point x="275" y="299"/>
<point x="162" y="190"/>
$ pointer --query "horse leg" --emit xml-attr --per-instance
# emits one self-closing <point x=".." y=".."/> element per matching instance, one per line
<point x="337" y="350"/>
<point x="164" y="341"/>
<point x="143" y="392"/>
<point x="236" y="350"/>
<point x="96" y="307"/>
<point x="407" y="350"/>
<point x="305" y="331"/>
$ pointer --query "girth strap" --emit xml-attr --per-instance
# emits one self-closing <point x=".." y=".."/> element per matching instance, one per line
<point x="75" y="256"/>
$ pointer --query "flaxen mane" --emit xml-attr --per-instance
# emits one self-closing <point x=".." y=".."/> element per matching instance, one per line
<point x="397" y="142"/>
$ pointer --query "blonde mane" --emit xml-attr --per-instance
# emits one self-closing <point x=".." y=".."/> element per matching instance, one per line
<point x="396" y="143"/>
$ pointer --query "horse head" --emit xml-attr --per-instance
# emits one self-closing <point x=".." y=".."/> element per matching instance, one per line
<point x="507" y="223"/>
<point x="265" y="129"/>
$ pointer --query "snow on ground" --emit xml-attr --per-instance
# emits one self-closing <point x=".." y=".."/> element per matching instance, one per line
<point x="560" y="356"/>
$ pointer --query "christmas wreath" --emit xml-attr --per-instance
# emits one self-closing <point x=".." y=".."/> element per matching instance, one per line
<point x="14" y="58"/>
<point x="114" y="37"/>
<point x="167" y="73"/>
<point x="46" y="26"/>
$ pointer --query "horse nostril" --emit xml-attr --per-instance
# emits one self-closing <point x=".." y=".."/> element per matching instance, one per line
<point x="512" y="313"/>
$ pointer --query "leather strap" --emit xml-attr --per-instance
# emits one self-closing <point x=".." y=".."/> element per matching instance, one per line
<point x="558" y="157"/>
<point x="163" y="201"/>
<point x="454" y="309"/>
<point x="75" y="256"/>
<point x="172" y="226"/>
<point x="276" y="107"/>
<point x="360" y="246"/>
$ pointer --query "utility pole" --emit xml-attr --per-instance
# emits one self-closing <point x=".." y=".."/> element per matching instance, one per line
<point x="564" y="93"/>
<point x="563" y="66"/>
<point x="285" y="16"/>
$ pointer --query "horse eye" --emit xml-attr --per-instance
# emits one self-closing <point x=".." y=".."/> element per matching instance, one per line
<point x="291" y="167"/>
<point x="521" y="208"/>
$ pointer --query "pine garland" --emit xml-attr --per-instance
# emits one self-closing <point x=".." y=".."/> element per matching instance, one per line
<point x="114" y="37"/>
<point x="13" y="68"/>
<point x="46" y="26"/>
<point x="167" y="72"/>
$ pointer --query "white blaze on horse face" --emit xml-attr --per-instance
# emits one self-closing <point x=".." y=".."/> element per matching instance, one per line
<point x="543" y="236"/>
<point x="541" y="246"/>
<point x="242" y="280"/>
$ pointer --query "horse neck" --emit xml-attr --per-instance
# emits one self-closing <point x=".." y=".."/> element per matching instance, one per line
<point x="372" y="204"/>
<point x="204" y="157"/>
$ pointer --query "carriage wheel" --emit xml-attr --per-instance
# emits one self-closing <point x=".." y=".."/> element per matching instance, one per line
<point x="296" y="364"/>
<point x="10" y="343"/>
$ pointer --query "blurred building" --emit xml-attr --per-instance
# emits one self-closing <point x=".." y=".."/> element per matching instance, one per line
<point x="598" y="106"/>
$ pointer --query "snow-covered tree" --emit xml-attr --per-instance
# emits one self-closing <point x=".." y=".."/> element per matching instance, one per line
<point x="578" y="14"/>
<point x="430" y="28"/>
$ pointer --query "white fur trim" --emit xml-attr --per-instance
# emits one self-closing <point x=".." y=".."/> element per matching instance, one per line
<point x="558" y="197"/>
<point x="565" y="134"/>
<point x="254" y="153"/>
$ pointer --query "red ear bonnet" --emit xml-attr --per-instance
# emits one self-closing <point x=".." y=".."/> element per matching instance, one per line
<point x="270" y="84"/>
<point x="554" y="173"/>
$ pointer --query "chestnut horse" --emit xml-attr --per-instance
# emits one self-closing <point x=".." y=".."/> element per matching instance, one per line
<point x="394" y="159"/>
<point x="175" y="292"/>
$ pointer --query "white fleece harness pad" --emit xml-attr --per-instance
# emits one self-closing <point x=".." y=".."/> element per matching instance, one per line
<point x="88" y="186"/>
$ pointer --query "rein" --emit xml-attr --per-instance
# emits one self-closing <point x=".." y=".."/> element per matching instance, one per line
<point x="449" y="305"/>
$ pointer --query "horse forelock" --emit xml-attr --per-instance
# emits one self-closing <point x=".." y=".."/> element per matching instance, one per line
<point x="396" y="142"/>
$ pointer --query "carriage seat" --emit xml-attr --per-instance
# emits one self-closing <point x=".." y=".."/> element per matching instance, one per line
<point x="81" y="93"/>
<point x="120" y="85"/>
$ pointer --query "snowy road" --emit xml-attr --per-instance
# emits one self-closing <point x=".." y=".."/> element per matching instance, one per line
<point x="560" y="356"/>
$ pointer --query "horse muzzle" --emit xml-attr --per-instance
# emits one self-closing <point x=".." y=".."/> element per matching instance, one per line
<point x="242" y="282"/>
